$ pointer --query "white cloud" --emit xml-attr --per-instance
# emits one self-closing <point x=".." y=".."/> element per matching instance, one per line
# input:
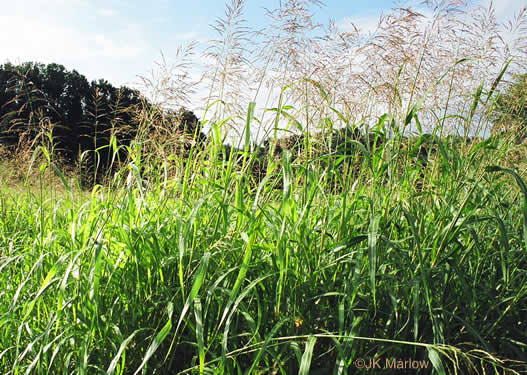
<point x="187" y="36"/>
<point x="106" y="12"/>
<point x="50" y="33"/>
<point x="105" y="47"/>
<point x="29" y="43"/>
<point x="53" y="41"/>
<point x="505" y="9"/>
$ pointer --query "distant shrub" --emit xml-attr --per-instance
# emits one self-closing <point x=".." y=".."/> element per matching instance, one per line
<point x="510" y="109"/>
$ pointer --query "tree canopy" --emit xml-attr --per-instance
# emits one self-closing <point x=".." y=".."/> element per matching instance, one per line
<point x="38" y="100"/>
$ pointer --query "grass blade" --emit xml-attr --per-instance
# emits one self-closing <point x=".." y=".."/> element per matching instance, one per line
<point x="372" y="252"/>
<point x="158" y="339"/>
<point x="307" y="356"/>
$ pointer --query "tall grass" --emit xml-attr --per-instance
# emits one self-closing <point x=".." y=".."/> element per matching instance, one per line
<point x="308" y="270"/>
<point x="300" y="259"/>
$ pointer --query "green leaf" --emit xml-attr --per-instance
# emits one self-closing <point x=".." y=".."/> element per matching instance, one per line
<point x="523" y="188"/>
<point x="46" y="283"/>
<point x="199" y="334"/>
<point x="250" y="115"/>
<point x="159" y="338"/>
<point x="268" y="339"/>
<point x="198" y="282"/>
<point x="372" y="251"/>
<point x="497" y="80"/>
<point x="436" y="360"/>
<point x="287" y="172"/>
<point x="111" y="369"/>
<point x="308" y="355"/>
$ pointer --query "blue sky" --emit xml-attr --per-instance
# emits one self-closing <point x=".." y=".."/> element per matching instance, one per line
<point x="120" y="39"/>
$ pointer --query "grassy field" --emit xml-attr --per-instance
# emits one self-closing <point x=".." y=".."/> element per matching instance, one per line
<point x="323" y="262"/>
<point x="402" y="251"/>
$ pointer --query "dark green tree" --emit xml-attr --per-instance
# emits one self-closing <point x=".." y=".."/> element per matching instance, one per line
<point x="83" y="118"/>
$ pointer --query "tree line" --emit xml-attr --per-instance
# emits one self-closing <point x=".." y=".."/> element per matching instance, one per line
<point x="48" y="104"/>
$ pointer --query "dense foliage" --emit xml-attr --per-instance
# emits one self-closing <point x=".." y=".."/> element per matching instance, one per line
<point x="49" y="105"/>
<point x="510" y="109"/>
<point x="204" y="271"/>
<point x="82" y="112"/>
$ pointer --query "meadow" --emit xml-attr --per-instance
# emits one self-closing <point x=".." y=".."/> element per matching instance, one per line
<point x="406" y="243"/>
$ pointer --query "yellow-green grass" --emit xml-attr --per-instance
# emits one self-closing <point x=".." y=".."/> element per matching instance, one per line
<point x="309" y="269"/>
